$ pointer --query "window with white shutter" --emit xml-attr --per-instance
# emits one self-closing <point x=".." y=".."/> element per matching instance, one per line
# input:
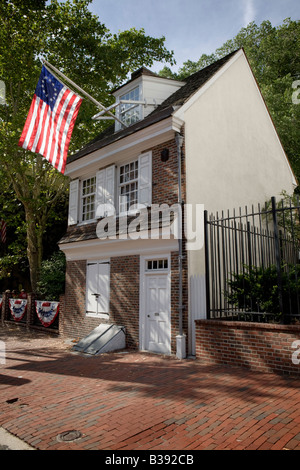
<point x="132" y="184"/>
<point x="135" y="183"/>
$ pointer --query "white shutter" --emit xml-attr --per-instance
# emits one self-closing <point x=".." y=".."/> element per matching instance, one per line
<point x="73" y="202"/>
<point x="103" y="287"/>
<point x="91" y="288"/>
<point x="105" y="191"/>
<point x="100" y="193"/>
<point x="97" y="282"/>
<point x="110" y="177"/>
<point x="145" y="179"/>
<point x="100" y="187"/>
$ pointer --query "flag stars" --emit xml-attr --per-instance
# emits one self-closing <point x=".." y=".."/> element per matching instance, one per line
<point x="45" y="136"/>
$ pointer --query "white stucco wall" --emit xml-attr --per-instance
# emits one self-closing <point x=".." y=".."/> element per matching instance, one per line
<point x="234" y="156"/>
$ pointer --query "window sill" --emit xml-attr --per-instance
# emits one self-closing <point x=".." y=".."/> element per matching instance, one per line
<point x="103" y="316"/>
<point x="87" y="222"/>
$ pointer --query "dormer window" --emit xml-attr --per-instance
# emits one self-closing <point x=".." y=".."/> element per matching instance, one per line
<point x="130" y="113"/>
<point x="138" y="98"/>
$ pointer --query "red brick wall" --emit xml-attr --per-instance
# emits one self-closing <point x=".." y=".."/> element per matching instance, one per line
<point x="175" y="300"/>
<point x="73" y="320"/>
<point x="256" y="346"/>
<point x="124" y="285"/>
<point x="165" y="191"/>
<point x="124" y="296"/>
<point x="165" y="175"/>
<point x="124" y="299"/>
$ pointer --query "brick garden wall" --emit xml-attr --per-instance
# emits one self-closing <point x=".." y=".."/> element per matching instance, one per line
<point x="256" y="346"/>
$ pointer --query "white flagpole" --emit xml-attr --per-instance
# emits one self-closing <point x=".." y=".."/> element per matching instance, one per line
<point x="45" y="62"/>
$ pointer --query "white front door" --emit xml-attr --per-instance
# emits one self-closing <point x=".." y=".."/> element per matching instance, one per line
<point x="156" y="311"/>
<point x="97" y="288"/>
<point x="158" y="314"/>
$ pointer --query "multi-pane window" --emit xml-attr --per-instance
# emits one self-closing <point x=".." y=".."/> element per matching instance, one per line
<point x="128" y="184"/>
<point x="88" y="198"/>
<point x="130" y="113"/>
<point x="157" y="265"/>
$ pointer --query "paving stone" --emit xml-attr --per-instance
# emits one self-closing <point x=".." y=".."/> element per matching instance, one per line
<point x="140" y="401"/>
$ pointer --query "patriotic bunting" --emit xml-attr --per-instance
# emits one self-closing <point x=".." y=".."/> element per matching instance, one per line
<point x="46" y="311"/>
<point x="17" y="308"/>
<point x="51" y="119"/>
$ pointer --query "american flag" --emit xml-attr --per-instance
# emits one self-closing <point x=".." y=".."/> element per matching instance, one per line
<point x="51" y="119"/>
<point x="3" y="231"/>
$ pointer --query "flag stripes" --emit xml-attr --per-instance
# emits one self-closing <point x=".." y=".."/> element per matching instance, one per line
<point x="50" y="121"/>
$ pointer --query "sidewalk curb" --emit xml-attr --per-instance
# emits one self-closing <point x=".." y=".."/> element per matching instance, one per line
<point x="10" y="442"/>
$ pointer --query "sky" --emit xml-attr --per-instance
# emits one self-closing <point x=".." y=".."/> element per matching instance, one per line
<point x="191" y="27"/>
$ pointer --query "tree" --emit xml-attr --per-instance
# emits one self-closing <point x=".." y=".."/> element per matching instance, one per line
<point x="70" y="37"/>
<point x="274" y="55"/>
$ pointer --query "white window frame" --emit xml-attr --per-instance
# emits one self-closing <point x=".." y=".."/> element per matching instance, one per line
<point x="130" y="107"/>
<point x="158" y="265"/>
<point x="110" y="196"/>
<point x="120" y="185"/>
<point x="144" y="181"/>
<point x="82" y="197"/>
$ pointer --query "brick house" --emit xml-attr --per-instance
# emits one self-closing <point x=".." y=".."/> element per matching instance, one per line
<point x="131" y="268"/>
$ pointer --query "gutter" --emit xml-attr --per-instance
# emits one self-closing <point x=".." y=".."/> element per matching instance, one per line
<point x="180" y="339"/>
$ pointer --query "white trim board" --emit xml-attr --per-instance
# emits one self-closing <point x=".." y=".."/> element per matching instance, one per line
<point x="135" y="143"/>
<point x="97" y="249"/>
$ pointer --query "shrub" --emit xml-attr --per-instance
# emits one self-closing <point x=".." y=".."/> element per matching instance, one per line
<point x="52" y="277"/>
<point x="256" y="289"/>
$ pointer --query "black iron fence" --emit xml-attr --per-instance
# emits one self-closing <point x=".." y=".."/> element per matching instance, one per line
<point x="252" y="263"/>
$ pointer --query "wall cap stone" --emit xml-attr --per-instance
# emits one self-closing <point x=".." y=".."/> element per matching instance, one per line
<point x="248" y="325"/>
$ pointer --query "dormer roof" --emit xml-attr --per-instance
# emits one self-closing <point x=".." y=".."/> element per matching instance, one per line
<point x="137" y="74"/>
<point x="191" y="85"/>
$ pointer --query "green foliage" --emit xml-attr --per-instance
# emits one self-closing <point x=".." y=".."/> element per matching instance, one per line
<point x="52" y="277"/>
<point x="256" y="289"/>
<point x="74" y="40"/>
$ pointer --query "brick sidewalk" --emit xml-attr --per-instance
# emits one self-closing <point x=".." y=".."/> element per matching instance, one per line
<point x="135" y="401"/>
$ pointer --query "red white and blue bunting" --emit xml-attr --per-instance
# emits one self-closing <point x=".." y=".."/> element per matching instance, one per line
<point x="46" y="311"/>
<point x="18" y="308"/>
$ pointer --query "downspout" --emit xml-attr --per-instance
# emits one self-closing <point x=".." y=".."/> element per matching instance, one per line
<point x="180" y="339"/>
